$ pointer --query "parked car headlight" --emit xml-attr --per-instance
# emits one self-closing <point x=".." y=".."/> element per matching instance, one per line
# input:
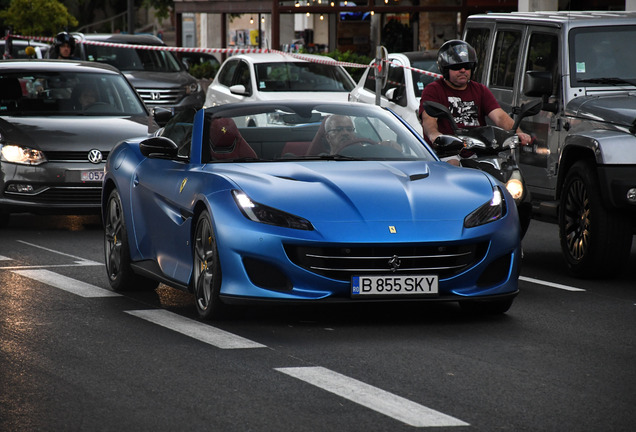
<point x="493" y="210"/>
<point x="193" y="88"/>
<point x="268" y="215"/>
<point x="22" y="155"/>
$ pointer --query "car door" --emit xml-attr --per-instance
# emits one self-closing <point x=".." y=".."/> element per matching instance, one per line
<point x="161" y="199"/>
<point x="539" y="161"/>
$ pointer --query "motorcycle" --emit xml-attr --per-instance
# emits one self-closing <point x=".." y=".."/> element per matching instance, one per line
<point x="490" y="149"/>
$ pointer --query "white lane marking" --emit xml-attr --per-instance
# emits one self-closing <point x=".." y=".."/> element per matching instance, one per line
<point x="78" y="260"/>
<point x="66" y="283"/>
<point x="4" y="258"/>
<point x="373" y="398"/>
<point x="550" y="284"/>
<point x="202" y="332"/>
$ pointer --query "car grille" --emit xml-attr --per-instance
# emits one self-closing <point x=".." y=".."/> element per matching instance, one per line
<point x="342" y="263"/>
<point x="65" y="156"/>
<point x="72" y="195"/>
<point x="160" y="97"/>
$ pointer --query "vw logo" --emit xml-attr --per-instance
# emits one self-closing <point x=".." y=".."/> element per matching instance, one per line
<point x="155" y="95"/>
<point x="95" y="156"/>
<point x="395" y="262"/>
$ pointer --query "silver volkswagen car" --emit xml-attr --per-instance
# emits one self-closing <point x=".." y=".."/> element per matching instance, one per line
<point x="58" y="122"/>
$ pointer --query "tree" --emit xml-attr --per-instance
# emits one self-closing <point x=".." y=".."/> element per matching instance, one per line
<point x="37" y="17"/>
<point x="162" y="7"/>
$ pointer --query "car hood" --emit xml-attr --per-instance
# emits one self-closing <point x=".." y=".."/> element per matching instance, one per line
<point x="146" y="79"/>
<point x="71" y="133"/>
<point x="619" y="109"/>
<point x="386" y="192"/>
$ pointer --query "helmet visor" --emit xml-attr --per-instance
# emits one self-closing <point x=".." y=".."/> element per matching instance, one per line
<point x="460" y="53"/>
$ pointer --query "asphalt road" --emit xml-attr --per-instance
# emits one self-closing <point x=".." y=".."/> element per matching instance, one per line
<point x="75" y="357"/>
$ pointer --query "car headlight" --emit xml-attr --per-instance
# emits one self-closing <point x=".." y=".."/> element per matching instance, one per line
<point x="22" y="155"/>
<point x="493" y="210"/>
<point x="192" y="88"/>
<point x="268" y="215"/>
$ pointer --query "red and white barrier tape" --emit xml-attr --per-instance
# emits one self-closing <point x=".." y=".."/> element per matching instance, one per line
<point x="327" y="60"/>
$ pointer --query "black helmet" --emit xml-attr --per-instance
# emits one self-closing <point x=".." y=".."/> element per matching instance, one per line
<point x="64" y="37"/>
<point x="455" y="52"/>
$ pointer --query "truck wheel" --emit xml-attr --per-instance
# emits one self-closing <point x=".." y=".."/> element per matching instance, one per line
<point x="595" y="241"/>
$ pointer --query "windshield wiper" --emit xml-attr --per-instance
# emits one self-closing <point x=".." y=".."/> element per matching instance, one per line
<point x="331" y="157"/>
<point x="608" y="80"/>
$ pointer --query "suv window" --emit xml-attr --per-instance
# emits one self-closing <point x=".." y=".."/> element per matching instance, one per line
<point x="543" y="55"/>
<point x="478" y="39"/>
<point x="126" y="59"/>
<point x="243" y="76"/>
<point x="504" y="63"/>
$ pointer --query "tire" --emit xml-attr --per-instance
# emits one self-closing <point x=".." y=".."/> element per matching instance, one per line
<point x="595" y="241"/>
<point x="206" y="270"/>
<point x="117" y="250"/>
<point x="486" y="307"/>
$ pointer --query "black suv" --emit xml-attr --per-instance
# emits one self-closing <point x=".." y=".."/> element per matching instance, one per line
<point x="158" y="76"/>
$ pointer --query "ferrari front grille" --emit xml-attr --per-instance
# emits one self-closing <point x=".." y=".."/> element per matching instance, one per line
<point x="342" y="263"/>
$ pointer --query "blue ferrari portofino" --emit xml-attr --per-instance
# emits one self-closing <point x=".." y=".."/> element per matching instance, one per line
<point x="320" y="202"/>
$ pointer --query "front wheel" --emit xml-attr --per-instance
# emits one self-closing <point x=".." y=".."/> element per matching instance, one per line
<point x="117" y="250"/>
<point x="206" y="274"/>
<point x="595" y="241"/>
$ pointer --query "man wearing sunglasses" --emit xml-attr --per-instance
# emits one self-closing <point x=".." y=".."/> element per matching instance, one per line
<point x="469" y="102"/>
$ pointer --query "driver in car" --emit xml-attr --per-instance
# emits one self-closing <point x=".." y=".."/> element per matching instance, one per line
<point x="339" y="130"/>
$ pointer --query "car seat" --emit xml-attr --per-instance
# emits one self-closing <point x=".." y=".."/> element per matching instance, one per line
<point x="226" y="141"/>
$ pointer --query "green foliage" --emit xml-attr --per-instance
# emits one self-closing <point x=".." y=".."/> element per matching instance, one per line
<point x="37" y="17"/>
<point x="162" y="7"/>
<point x="203" y="70"/>
<point x="351" y="57"/>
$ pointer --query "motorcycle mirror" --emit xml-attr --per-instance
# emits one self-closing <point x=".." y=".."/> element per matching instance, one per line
<point x="527" y="110"/>
<point x="438" y="110"/>
<point x="448" y="145"/>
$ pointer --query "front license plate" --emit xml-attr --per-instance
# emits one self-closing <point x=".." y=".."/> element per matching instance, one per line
<point x="394" y="285"/>
<point x="93" y="176"/>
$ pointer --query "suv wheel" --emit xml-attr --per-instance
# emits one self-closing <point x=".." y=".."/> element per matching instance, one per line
<point x="596" y="242"/>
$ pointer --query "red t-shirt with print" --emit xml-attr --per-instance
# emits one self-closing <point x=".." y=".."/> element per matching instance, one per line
<point x="469" y="107"/>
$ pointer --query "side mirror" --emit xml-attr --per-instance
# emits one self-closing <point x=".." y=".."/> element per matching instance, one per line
<point x="396" y="95"/>
<point x="527" y="110"/>
<point x="239" y="89"/>
<point x="159" y="147"/>
<point x="538" y="84"/>
<point x="162" y="115"/>
<point x="438" y="110"/>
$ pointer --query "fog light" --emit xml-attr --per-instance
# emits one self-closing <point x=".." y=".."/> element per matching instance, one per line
<point x="515" y="187"/>
<point x="631" y="196"/>
<point x="20" y="188"/>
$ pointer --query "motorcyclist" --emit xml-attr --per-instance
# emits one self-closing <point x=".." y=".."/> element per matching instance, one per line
<point x="469" y="102"/>
<point x="64" y="46"/>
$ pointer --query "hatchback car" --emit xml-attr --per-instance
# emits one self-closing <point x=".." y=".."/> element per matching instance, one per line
<point x="403" y="89"/>
<point x="324" y="202"/>
<point x="277" y="76"/>
<point x="58" y="122"/>
<point x="158" y="76"/>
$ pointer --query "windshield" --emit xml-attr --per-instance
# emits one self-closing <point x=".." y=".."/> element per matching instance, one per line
<point x="301" y="76"/>
<point x="126" y="59"/>
<point x="32" y="93"/>
<point x="420" y="80"/>
<point x="602" y="56"/>
<point x="287" y="132"/>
